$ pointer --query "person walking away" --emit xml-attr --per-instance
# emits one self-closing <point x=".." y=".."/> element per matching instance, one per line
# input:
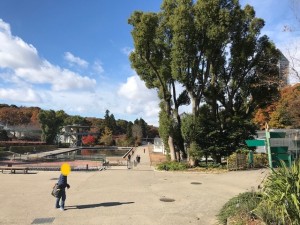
<point x="62" y="185"/>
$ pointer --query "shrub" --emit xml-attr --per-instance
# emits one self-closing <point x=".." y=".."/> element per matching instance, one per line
<point x="260" y="160"/>
<point x="239" y="160"/>
<point x="195" y="151"/>
<point x="281" y="196"/>
<point x="240" y="208"/>
<point x="172" y="166"/>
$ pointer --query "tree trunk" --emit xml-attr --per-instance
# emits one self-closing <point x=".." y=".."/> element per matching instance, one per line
<point x="172" y="148"/>
<point x="195" y="105"/>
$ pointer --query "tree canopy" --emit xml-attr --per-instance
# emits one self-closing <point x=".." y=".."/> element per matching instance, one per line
<point x="214" y="50"/>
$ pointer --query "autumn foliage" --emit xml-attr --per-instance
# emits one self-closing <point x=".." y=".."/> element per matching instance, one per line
<point x="283" y="113"/>
<point x="88" y="140"/>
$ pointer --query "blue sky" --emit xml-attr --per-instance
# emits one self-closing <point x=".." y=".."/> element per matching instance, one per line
<point x="73" y="55"/>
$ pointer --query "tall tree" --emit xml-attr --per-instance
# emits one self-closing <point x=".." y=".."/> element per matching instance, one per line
<point x="110" y="122"/>
<point x="72" y="120"/>
<point x="121" y="126"/>
<point x="137" y="133"/>
<point x="247" y="72"/>
<point x="152" y="62"/>
<point x="143" y="126"/>
<point x="107" y="137"/>
<point x="214" y="49"/>
<point x="51" y="123"/>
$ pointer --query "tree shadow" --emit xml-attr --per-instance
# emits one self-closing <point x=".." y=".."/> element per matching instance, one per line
<point x="104" y="204"/>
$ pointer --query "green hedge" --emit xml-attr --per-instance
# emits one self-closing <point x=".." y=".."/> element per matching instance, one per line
<point x="172" y="166"/>
<point x="32" y="149"/>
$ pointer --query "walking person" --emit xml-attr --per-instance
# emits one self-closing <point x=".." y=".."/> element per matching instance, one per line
<point x="129" y="162"/>
<point x="62" y="185"/>
<point x="138" y="158"/>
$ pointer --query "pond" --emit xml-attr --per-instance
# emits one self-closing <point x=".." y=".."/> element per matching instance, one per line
<point x="91" y="154"/>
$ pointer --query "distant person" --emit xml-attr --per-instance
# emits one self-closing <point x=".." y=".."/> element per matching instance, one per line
<point x="129" y="157"/>
<point x="144" y="150"/>
<point x="62" y="184"/>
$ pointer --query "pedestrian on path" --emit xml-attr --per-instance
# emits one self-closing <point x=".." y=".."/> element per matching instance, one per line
<point x="138" y="158"/>
<point x="144" y="150"/>
<point x="62" y="185"/>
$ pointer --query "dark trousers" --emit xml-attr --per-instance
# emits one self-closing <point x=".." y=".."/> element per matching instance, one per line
<point x="61" y="197"/>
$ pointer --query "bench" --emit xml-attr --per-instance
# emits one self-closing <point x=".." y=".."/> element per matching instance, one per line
<point x="13" y="169"/>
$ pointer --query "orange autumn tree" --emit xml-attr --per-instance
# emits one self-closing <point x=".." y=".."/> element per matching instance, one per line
<point x="286" y="113"/>
<point x="263" y="115"/>
<point x="283" y="113"/>
<point x="88" y="140"/>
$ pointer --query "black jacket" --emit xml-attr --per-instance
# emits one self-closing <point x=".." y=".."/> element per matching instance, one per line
<point x="62" y="182"/>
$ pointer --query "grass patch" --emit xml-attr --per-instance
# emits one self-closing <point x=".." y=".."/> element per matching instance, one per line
<point x="172" y="166"/>
<point x="239" y="209"/>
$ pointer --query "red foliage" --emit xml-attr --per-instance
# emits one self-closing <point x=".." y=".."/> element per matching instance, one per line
<point x="88" y="140"/>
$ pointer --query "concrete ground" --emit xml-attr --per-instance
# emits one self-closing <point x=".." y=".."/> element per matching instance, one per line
<point x="122" y="196"/>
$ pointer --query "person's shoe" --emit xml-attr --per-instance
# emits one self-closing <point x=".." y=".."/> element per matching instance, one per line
<point x="62" y="209"/>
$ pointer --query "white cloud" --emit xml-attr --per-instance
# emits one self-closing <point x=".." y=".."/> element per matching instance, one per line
<point x="127" y="50"/>
<point x="14" y="52"/>
<point x="139" y="99"/>
<point x="23" y="64"/>
<point x="73" y="60"/>
<point x="98" y="68"/>
<point x="20" y="95"/>
<point x="135" y="89"/>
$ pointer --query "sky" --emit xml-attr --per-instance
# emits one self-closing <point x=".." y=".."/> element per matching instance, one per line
<point x="73" y="55"/>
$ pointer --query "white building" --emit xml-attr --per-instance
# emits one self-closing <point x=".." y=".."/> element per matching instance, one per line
<point x="291" y="140"/>
<point x="72" y="134"/>
<point x="159" y="146"/>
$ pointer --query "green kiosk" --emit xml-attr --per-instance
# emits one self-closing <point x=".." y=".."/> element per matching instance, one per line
<point x="276" y="149"/>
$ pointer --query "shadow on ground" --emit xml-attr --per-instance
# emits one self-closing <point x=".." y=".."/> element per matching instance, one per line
<point x="104" y="204"/>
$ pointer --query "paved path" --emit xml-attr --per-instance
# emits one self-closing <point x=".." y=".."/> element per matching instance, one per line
<point x="125" y="197"/>
<point x="49" y="153"/>
<point x="143" y="152"/>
